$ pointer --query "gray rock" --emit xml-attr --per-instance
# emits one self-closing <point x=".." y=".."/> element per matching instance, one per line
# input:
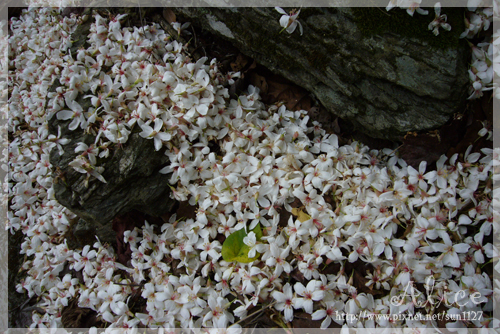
<point x="385" y="72"/>
<point x="133" y="182"/>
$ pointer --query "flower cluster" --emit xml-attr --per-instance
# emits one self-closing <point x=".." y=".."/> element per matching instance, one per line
<point x="481" y="69"/>
<point x="479" y="18"/>
<point x="483" y="54"/>
<point x="319" y="204"/>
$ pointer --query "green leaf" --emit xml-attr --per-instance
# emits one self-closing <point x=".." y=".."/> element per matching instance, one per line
<point x="234" y="249"/>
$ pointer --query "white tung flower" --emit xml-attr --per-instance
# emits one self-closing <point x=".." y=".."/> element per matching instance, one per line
<point x="251" y="241"/>
<point x="439" y="21"/>
<point x="289" y="22"/>
<point x="75" y="114"/>
<point x="309" y="293"/>
<point x="285" y="301"/>
<point x="155" y="133"/>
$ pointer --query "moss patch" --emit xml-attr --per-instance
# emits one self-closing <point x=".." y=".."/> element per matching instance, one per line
<point x="377" y="21"/>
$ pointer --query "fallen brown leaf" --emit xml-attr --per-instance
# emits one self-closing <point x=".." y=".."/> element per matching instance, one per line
<point x="260" y="82"/>
<point x="240" y="62"/>
<point x="169" y="15"/>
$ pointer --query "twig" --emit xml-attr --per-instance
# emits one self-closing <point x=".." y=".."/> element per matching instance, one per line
<point x="23" y="304"/>
<point x="140" y="17"/>
<point x="383" y="11"/>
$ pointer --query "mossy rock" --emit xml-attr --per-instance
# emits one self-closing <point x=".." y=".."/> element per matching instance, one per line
<point x="373" y="21"/>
